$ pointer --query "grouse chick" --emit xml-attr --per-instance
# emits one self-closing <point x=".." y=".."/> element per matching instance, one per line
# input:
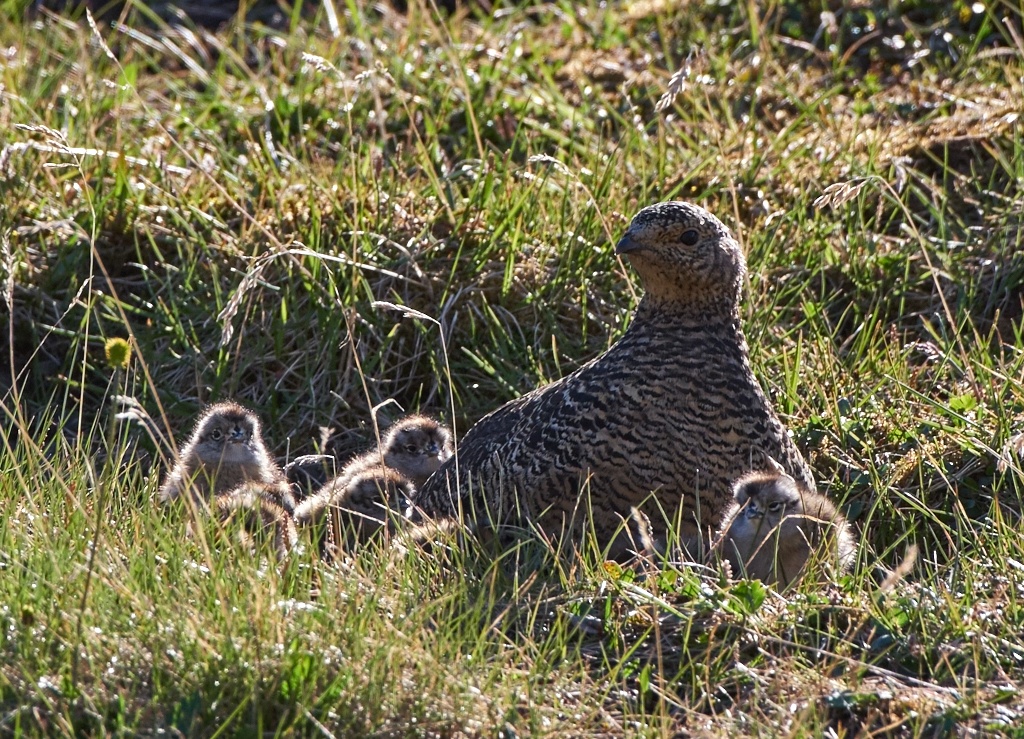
<point x="416" y="446"/>
<point x="262" y="515"/>
<point x="663" y="421"/>
<point x="309" y="473"/>
<point x="363" y="506"/>
<point x="776" y="525"/>
<point x="225" y="450"/>
<point x="380" y="480"/>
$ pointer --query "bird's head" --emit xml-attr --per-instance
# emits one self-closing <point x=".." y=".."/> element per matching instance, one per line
<point x="767" y="497"/>
<point x="686" y="258"/>
<point x="416" y="446"/>
<point x="381" y="491"/>
<point x="227" y="433"/>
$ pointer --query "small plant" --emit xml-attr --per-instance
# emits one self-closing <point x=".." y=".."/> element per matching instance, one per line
<point x="118" y="353"/>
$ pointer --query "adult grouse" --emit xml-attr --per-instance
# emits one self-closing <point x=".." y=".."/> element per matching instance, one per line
<point x="662" y="422"/>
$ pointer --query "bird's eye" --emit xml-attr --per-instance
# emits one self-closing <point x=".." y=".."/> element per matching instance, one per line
<point x="775" y="506"/>
<point x="690" y="237"/>
<point x="216" y="434"/>
<point x="411" y="448"/>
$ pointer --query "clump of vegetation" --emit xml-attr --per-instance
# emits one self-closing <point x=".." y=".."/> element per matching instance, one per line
<point x="227" y="206"/>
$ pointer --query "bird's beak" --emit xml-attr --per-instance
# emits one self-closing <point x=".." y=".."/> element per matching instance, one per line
<point x="754" y="512"/>
<point x="237" y="434"/>
<point x="627" y="244"/>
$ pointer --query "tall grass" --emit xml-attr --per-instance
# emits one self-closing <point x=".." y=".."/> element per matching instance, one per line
<point x="234" y="204"/>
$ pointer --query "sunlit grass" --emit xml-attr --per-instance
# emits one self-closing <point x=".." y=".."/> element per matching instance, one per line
<point x="234" y="204"/>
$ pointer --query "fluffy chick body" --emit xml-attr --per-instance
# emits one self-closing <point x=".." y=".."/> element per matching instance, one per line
<point x="262" y="515"/>
<point x="776" y="526"/>
<point x="309" y="473"/>
<point x="225" y="450"/>
<point x="378" y="483"/>
<point x="364" y="505"/>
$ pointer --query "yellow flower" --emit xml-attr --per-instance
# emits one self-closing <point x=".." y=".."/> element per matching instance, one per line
<point x="119" y="353"/>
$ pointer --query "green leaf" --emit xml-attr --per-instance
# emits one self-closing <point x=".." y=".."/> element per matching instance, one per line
<point x="746" y="597"/>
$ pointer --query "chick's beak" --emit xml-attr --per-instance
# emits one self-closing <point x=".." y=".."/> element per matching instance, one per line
<point x="237" y="434"/>
<point x="627" y="244"/>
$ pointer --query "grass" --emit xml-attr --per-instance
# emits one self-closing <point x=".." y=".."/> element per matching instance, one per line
<point x="233" y="204"/>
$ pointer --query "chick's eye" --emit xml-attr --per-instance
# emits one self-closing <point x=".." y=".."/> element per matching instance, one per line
<point x="774" y="507"/>
<point x="216" y="434"/>
<point x="411" y="448"/>
<point x="690" y="237"/>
